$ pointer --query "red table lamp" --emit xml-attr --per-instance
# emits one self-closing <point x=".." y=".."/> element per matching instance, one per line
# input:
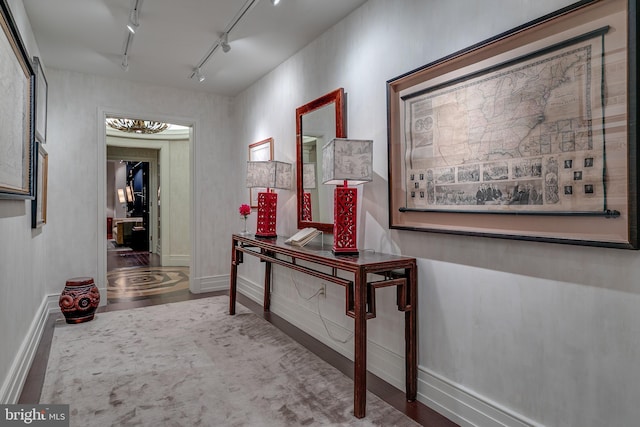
<point x="308" y="183"/>
<point x="268" y="175"/>
<point x="346" y="161"/>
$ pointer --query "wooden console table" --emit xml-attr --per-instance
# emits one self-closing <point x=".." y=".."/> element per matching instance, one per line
<point x="383" y="269"/>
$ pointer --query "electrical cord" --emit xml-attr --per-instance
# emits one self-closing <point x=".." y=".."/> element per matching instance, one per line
<point x="322" y="319"/>
<point x="295" y="284"/>
<point x="326" y="328"/>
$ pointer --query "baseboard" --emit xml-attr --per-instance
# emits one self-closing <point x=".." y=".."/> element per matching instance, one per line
<point x="464" y="406"/>
<point x="210" y="284"/>
<point x="250" y="290"/>
<point x="12" y="387"/>
<point x="454" y="401"/>
<point x="175" y="260"/>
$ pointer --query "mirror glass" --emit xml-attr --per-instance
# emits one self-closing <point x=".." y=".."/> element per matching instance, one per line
<point x="317" y="123"/>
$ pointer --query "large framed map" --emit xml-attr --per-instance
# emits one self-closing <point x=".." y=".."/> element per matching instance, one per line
<point x="528" y="135"/>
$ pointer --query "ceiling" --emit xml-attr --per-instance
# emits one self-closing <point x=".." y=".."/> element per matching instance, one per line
<point x="175" y="36"/>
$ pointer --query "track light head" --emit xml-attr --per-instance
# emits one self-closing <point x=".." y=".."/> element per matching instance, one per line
<point x="198" y="75"/>
<point x="224" y="42"/>
<point x="275" y="2"/>
<point x="134" y="21"/>
<point x="125" y="63"/>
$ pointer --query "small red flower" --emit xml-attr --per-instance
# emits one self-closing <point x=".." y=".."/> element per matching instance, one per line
<point x="244" y="210"/>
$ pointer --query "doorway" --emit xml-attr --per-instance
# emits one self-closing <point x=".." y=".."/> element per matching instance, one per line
<point x="149" y="258"/>
<point x="132" y="209"/>
<point x="132" y="197"/>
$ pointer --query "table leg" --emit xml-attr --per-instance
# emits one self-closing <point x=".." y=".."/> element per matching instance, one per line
<point x="360" y="362"/>
<point x="267" y="286"/>
<point x="234" y="278"/>
<point x="410" y="337"/>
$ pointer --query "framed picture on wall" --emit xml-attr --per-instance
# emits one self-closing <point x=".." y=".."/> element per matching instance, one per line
<point x="39" y="204"/>
<point x="528" y="135"/>
<point x="259" y="151"/>
<point x="42" y="90"/>
<point x="16" y="112"/>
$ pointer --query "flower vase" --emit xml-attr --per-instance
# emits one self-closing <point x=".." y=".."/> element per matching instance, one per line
<point x="244" y="230"/>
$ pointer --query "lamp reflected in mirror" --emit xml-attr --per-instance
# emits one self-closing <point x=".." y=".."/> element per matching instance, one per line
<point x="308" y="183"/>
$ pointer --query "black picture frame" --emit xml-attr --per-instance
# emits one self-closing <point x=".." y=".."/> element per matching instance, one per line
<point x="41" y="101"/>
<point x="17" y="142"/>
<point x="615" y="225"/>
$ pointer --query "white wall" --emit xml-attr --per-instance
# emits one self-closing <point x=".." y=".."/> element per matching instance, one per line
<point x="23" y="254"/>
<point x="178" y="211"/>
<point x="510" y="332"/>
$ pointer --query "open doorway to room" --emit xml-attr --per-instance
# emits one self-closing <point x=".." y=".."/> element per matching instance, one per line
<point x="132" y="208"/>
<point x="148" y="191"/>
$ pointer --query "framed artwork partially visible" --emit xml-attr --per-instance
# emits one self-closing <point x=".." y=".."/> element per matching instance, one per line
<point x="528" y="135"/>
<point x="39" y="204"/>
<point x="259" y="151"/>
<point x="42" y="90"/>
<point x="16" y="112"/>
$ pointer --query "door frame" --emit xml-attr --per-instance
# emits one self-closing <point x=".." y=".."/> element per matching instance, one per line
<point x="101" y="191"/>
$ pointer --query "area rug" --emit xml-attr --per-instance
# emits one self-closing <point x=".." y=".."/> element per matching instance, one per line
<point x="191" y="364"/>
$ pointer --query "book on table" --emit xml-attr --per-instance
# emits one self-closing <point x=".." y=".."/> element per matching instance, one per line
<point x="303" y="236"/>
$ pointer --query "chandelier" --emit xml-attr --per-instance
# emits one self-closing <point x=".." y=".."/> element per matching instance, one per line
<point x="136" y="126"/>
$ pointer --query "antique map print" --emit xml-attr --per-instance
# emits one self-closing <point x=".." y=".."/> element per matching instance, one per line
<point x="526" y="135"/>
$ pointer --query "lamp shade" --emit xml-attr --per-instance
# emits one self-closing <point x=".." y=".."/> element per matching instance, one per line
<point x="309" y="175"/>
<point x="269" y="174"/>
<point x="348" y="160"/>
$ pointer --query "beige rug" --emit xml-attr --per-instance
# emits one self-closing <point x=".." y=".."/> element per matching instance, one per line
<point x="190" y="364"/>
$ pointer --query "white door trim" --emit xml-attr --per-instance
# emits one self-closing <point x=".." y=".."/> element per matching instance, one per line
<point x="101" y="191"/>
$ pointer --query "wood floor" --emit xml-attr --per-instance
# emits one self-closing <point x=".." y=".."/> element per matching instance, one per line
<point x="415" y="410"/>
